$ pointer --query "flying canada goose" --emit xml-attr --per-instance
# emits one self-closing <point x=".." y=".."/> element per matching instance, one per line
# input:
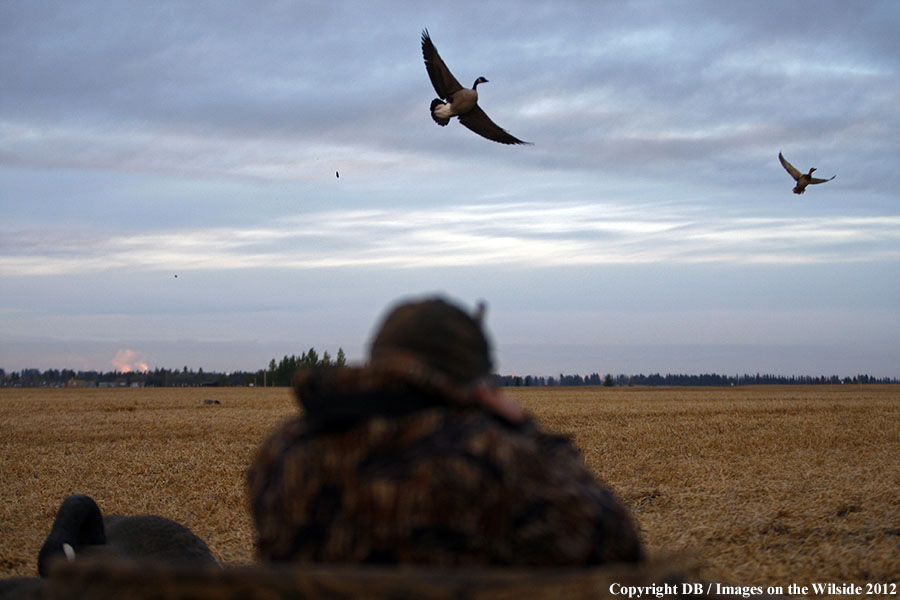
<point x="802" y="179"/>
<point x="457" y="101"/>
<point x="81" y="529"/>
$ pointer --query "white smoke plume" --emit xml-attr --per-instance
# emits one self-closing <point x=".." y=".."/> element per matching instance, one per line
<point x="127" y="361"/>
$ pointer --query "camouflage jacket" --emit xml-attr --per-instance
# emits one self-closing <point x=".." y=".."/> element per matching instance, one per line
<point x="395" y="465"/>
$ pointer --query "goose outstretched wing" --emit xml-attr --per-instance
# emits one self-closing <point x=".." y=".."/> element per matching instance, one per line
<point x="478" y="121"/>
<point x="445" y="84"/>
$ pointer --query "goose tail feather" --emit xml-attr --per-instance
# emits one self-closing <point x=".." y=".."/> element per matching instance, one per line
<point x="442" y="121"/>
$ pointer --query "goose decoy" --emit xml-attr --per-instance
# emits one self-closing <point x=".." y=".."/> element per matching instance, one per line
<point x="802" y="179"/>
<point x="22" y="588"/>
<point x="81" y="529"/>
<point x="457" y="101"/>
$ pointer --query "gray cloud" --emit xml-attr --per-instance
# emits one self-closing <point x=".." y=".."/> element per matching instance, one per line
<point x="502" y="234"/>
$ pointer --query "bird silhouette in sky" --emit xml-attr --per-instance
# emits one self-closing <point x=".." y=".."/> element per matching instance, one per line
<point x="802" y="179"/>
<point x="457" y="101"/>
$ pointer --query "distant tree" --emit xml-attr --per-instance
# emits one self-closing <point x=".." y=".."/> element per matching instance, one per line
<point x="284" y="370"/>
<point x="280" y="373"/>
<point x="608" y="381"/>
<point x="311" y="358"/>
<point x="271" y="373"/>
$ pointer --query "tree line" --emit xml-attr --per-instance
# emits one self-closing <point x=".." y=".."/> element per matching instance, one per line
<point x="159" y="377"/>
<point x="670" y="379"/>
<point x="279" y="373"/>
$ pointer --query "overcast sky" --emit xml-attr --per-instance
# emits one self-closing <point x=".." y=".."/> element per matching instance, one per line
<point x="168" y="188"/>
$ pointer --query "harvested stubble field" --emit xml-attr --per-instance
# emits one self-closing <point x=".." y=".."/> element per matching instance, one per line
<point x="756" y="485"/>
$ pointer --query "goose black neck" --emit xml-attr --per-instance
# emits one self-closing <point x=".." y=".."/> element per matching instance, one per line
<point x="78" y="523"/>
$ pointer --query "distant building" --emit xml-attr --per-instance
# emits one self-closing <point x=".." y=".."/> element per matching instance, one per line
<point x="80" y="383"/>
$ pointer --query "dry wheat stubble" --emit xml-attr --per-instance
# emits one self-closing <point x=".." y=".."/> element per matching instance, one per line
<point x="138" y="451"/>
<point x="761" y="485"/>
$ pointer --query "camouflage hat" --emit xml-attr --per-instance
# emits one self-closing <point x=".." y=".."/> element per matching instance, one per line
<point x="442" y="335"/>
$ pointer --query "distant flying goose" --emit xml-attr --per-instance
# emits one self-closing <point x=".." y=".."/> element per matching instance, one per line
<point x="457" y="101"/>
<point x="802" y="179"/>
